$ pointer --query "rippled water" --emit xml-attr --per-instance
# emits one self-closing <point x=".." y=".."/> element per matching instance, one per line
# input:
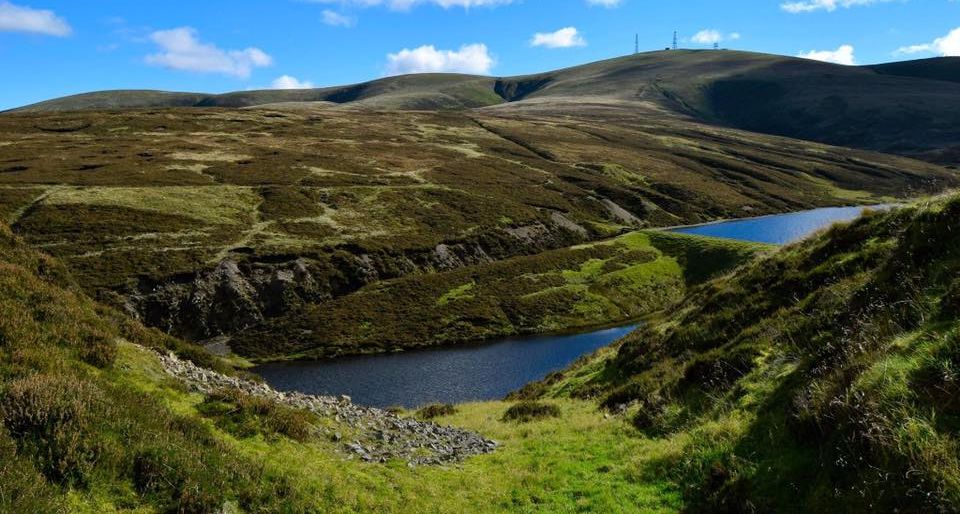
<point x="463" y="373"/>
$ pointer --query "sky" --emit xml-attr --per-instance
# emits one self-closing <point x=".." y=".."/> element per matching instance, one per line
<point x="51" y="48"/>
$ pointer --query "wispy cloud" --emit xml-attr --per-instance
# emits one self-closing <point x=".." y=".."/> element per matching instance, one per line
<point x="402" y="5"/>
<point x="181" y="49"/>
<point x="474" y="59"/>
<point x="335" y="19"/>
<point x="605" y="3"/>
<point x="824" y="5"/>
<point x="564" y="38"/>
<point x="15" y="18"/>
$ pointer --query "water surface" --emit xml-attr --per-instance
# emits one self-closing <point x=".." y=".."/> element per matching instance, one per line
<point x="451" y="375"/>
<point x="778" y="228"/>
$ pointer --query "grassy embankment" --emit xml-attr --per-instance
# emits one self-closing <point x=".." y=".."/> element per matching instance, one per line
<point x="822" y="378"/>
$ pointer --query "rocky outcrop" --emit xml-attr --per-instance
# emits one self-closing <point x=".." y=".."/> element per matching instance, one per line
<point x="376" y="435"/>
<point x="241" y="291"/>
<point x="228" y="298"/>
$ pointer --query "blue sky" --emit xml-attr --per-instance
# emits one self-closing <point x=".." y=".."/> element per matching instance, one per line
<point x="50" y="48"/>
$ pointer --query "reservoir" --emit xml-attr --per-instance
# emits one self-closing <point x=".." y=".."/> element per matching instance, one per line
<point x="487" y="371"/>
<point x="490" y="370"/>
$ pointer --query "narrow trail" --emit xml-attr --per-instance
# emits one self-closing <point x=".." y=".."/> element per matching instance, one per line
<point x="21" y="212"/>
<point x="257" y="227"/>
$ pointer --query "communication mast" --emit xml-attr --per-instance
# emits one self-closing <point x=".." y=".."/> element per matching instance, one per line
<point x="675" y="45"/>
<point x="636" y="44"/>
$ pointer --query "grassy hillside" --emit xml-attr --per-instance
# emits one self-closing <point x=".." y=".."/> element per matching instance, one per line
<point x="820" y="379"/>
<point x="76" y="433"/>
<point x="422" y="91"/>
<point x="210" y="222"/>
<point x="862" y="107"/>
<point x="90" y="423"/>
<point x="613" y="281"/>
<point x="936" y="68"/>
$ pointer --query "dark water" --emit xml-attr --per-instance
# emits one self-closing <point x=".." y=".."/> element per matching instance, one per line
<point x="779" y="228"/>
<point x="474" y="372"/>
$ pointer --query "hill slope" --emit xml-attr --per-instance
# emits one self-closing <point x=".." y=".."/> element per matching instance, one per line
<point x="862" y="107"/>
<point x="820" y="379"/>
<point x="936" y="68"/>
<point x="207" y="222"/>
<point x="91" y="423"/>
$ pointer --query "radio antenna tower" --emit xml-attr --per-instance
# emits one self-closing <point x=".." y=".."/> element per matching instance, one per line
<point x="675" y="40"/>
<point x="636" y="44"/>
<point x="716" y="45"/>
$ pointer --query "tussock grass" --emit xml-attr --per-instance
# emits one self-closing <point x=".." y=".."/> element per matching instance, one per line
<point x="528" y="411"/>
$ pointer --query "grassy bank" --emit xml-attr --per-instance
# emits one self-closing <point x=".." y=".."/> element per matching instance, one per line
<point x="582" y="461"/>
<point x="613" y="281"/>
<point x="821" y="378"/>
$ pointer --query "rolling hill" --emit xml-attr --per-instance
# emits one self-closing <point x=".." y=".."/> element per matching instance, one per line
<point x="304" y="223"/>
<point x="862" y="107"/>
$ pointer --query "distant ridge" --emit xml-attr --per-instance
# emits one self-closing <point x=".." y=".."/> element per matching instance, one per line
<point x="909" y="108"/>
<point x="937" y="68"/>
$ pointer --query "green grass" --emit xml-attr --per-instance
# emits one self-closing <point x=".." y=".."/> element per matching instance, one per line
<point x="821" y="378"/>
<point x="211" y="205"/>
<point x="457" y="293"/>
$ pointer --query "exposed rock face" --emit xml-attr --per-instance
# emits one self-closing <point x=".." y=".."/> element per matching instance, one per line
<point x="240" y="292"/>
<point x="620" y="214"/>
<point x="227" y="298"/>
<point x="377" y="435"/>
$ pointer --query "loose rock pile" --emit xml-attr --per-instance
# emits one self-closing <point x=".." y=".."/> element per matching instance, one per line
<point x="378" y="435"/>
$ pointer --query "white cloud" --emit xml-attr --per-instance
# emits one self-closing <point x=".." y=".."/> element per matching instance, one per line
<point x="842" y="55"/>
<point x="182" y="50"/>
<point x="402" y="5"/>
<point x="474" y="59"/>
<point x="707" y="37"/>
<point x="288" y="82"/>
<point x="824" y="5"/>
<point x="711" y="36"/>
<point x="564" y="38"/>
<point x="605" y="3"/>
<point x="15" y="18"/>
<point x="947" y="46"/>
<point x="335" y="19"/>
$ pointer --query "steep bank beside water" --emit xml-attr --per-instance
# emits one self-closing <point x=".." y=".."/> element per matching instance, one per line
<point x="821" y="378"/>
